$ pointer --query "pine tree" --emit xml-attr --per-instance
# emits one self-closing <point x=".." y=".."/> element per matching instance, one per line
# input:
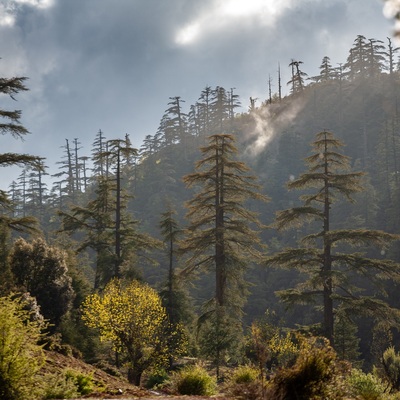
<point x="390" y="56"/>
<point x="357" y="60"/>
<point x="220" y="237"/>
<point x="297" y="81"/>
<point x="327" y="72"/>
<point x="10" y="124"/>
<point x="330" y="272"/>
<point x="170" y="231"/>
<point x="108" y="227"/>
<point x="99" y="155"/>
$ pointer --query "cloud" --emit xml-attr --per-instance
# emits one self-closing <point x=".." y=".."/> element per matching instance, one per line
<point x="225" y="14"/>
<point x="114" y="64"/>
<point x="9" y="9"/>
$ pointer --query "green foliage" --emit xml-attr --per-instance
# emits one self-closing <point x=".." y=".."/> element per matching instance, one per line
<point x="391" y="367"/>
<point x="156" y="378"/>
<point x="133" y="319"/>
<point x="42" y="270"/>
<point x="56" y="386"/>
<point x="221" y="238"/>
<point x="219" y="337"/>
<point x="312" y="376"/>
<point x="346" y="340"/>
<point x="330" y="273"/>
<point x="83" y="382"/>
<point x="244" y="374"/>
<point x="269" y="347"/>
<point x="366" y="386"/>
<point x="194" y="380"/>
<point x="67" y="385"/>
<point x="20" y="355"/>
<point x="244" y="383"/>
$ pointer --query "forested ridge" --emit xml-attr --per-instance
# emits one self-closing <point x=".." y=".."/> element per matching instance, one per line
<point x="229" y="228"/>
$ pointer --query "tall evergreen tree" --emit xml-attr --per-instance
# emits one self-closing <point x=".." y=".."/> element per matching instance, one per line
<point x="220" y="237"/>
<point x="327" y="72"/>
<point x="298" y="76"/>
<point x="99" y="155"/>
<point x="170" y="231"/>
<point x="108" y="227"/>
<point x="391" y="51"/>
<point x="331" y="275"/>
<point x="10" y="125"/>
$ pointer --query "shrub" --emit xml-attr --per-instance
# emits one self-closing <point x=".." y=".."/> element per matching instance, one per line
<point x="194" y="380"/>
<point x="57" y="387"/>
<point x="391" y="368"/>
<point x="20" y="355"/>
<point x="83" y="382"/>
<point x="244" y="374"/>
<point x="156" y="378"/>
<point x="365" y="386"/>
<point x="312" y="374"/>
<point x="245" y="384"/>
<point x="67" y="385"/>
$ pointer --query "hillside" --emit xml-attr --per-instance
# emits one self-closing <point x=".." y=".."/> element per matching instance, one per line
<point x="113" y="386"/>
<point x="107" y="386"/>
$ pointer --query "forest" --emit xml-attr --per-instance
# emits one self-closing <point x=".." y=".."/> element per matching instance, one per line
<point x="254" y="252"/>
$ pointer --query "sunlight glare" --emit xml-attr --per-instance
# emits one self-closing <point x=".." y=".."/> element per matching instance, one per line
<point x="266" y="9"/>
<point x="247" y="7"/>
<point x="226" y="12"/>
<point x="188" y="34"/>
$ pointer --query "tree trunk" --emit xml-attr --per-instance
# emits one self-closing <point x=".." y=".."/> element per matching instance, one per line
<point x="327" y="267"/>
<point x="134" y="376"/>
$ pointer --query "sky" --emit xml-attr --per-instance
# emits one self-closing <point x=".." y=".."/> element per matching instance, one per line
<point x="114" y="64"/>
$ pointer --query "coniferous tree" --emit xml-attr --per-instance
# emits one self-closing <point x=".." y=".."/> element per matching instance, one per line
<point x="10" y="125"/>
<point x="203" y="106"/>
<point x="220" y="111"/>
<point x="220" y="237"/>
<point x="108" y="227"/>
<point x="96" y="222"/>
<point x="67" y="171"/>
<point x="327" y="72"/>
<point x="376" y="57"/>
<point x="297" y="81"/>
<point x="174" y="297"/>
<point x="120" y="150"/>
<point x="357" y="61"/>
<point x="99" y="155"/>
<point x="390" y="56"/>
<point x="331" y="273"/>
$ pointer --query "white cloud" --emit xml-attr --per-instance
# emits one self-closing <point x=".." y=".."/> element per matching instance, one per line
<point x="9" y="9"/>
<point x="36" y="3"/>
<point x="228" y="12"/>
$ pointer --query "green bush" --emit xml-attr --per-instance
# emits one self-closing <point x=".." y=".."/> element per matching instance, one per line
<point x="365" y="386"/>
<point x="20" y="355"/>
<point x="156" y="378"/>
<point x="67" y="385"/>
<point x="83" y="382"/>
<point x="244" y="383"/>
<point x="194" y="380"/>
<point x="244" y="374"/>
<point x="58" y="387"/>
<point x="312" y="376"/>
<point x="391" y="368"/>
